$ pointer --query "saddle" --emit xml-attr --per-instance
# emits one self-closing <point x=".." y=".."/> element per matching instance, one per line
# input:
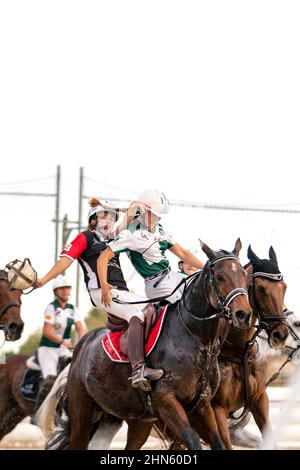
<point x="152" y="313"/>
<point x="33" y="376"/>
<point x="31" y="379"/>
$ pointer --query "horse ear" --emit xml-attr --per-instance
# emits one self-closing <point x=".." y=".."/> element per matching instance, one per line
<point x="208" y="251"/>
<point x="237" y="247"/>
<point x="252" y="256"/>
<point x="272" y="255"/>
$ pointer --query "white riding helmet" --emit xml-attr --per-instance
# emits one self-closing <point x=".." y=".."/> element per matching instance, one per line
<point x="61" y="281"/>
<point x="103" y="208"/>
<point x="156" y="200"/>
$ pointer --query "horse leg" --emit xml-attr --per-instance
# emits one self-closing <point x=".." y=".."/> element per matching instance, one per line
<point x="260" y="411"/>
<point x="107" y="428"/>
<point x="10" y="418"/>
<point x="205" y="423"/>
<point x="81" y="412"/>
<point x="222" y="422"/>
<point x="137" y="434"/>
<point x="173" y="415"/>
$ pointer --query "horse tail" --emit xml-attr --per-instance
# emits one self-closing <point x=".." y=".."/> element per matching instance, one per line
<point x="60" y="438"/>
<point x="46" y="414"/>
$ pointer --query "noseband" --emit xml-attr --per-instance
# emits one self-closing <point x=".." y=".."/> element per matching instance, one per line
<point x="3" y="277"/>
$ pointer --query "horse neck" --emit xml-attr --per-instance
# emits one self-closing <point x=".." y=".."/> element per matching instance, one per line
<point x="198" y="304"/>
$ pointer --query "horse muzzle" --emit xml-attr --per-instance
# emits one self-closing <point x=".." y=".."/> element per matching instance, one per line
<point x="13" y="331"/>
<point x="242" y="319"/>
<point x="278" y="336"/>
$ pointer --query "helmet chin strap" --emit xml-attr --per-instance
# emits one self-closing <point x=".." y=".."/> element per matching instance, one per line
<point x="103" y="237"/>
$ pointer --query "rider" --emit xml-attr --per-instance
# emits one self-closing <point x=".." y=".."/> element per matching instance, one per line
<point x="146" y="241"/>
<point x="86" y="248"/>
<point x="59" y="317"/>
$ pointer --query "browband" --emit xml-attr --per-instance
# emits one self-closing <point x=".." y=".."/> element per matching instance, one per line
<point x="274" y="277"/>
<point x="212" y="263"/>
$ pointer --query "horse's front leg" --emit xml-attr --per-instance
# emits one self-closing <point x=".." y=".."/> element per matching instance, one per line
<point x="137" y="434"/>
<point x="173" y="415"/>
<point x="222" y="422"/>
<point x="260" y="411"/>
<point x="204" y="422"/>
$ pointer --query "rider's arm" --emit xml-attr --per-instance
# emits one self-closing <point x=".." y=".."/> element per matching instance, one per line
<point x="186" y="256"/>
<point x="71" y="252"/>
<point x="60" y="266"/>
<point x="135" y="209"/>
<point x="80" y="329"/>
<point x="48" y="333"/>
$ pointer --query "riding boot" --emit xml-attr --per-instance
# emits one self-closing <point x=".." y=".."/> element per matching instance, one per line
<point x="141" y="374"/>
<point x="44" y="388"/>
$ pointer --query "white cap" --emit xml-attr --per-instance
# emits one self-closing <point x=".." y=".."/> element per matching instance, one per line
<point x="156" y="200"/>
<point x="61" y="281"/>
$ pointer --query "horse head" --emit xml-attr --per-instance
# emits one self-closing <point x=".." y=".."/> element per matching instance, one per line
<point x="10" y="305"/>
<point x="267" y="290"/>
<point x="227" y="285"/>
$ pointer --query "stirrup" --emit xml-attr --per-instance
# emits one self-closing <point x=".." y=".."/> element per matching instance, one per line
<point x="138" y="380"/>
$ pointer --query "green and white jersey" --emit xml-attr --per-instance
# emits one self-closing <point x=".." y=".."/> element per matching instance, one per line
<point x="61" y="320"/>
<point x="145" y="249"/>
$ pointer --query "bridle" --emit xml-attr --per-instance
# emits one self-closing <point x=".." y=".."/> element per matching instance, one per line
<point x="223" y="303"/>
<point x="263" y="320"/>
<point x="9" y="305"/>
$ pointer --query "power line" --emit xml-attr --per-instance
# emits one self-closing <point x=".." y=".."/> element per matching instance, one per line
<point x="198" y="205"/>
<point x="11" y="193"/>
<point x="109" y="185"/>
<point x="8" y="183"/>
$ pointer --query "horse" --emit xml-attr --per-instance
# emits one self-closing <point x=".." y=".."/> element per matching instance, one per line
<point x="13" y="406"/>
<point x="10" y="309"/>
<point x="242" y="367"/>
<point x="187" y="352"/>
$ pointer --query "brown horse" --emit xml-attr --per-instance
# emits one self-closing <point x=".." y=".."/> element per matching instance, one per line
<point x="242" y="367"/>
<point x="10" y="309"/>
<point x="186" y="351"/>
<point x="13" y="406"/>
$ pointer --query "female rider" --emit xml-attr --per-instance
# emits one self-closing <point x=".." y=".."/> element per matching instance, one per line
<point x="86" y="248"/>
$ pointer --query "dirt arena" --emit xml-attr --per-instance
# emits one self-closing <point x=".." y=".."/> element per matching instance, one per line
<point x="28" y="436"/>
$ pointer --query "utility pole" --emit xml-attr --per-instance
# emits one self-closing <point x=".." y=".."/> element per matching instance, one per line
<point x="79" y="226"/>
<point x="57" y="210"/>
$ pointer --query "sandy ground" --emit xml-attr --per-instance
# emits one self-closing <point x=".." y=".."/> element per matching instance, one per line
<point x="28" y="436"/>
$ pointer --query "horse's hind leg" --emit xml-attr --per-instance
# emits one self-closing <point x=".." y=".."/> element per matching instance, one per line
<point x="137" y="434"/>
<point x="173" y="415"/>
<point x="106" y="429"/>
<point x="82" y="411"/>
<point x="10" y="418"/>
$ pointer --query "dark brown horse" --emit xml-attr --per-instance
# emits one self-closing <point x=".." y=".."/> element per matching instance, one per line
<point x="13" y="406"/>
<point x="186" y="351"/>
<point x="10" y="309"/>
<point x="242" y="367"/>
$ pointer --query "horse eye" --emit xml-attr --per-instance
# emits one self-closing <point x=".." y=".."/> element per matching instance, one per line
<point x="220" y="278"/>
<point x="296" y="323"/>
<point x="261" y="289"/>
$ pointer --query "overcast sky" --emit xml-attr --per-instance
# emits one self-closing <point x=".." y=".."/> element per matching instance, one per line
<point x="200" y="99"/>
